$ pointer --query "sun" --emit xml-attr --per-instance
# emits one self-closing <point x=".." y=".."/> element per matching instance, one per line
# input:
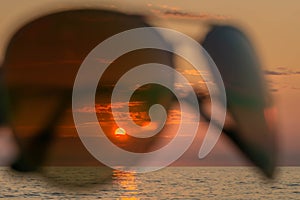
<point x="120" y="131"/>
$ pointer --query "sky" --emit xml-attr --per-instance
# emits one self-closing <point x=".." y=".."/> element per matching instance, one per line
<point x="273" y="27"/>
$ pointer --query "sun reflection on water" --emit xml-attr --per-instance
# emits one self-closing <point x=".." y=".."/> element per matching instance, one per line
<point x="127" y="183"/>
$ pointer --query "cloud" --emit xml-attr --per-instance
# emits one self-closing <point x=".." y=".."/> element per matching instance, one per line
<point x="180" y="14"/>
<point x="140" y="117"/>
<point x="106" y="108"/>
<point x="163" y="10"/>
<point x="191" y="72"/>
<point x="273" y="90"/>
<point x="281" y="71"/>
<point x="186" y="15"/>
<point x="272" y="86"/>
<point x="270" y="72"/>
<point x="282" y="78"/>
<point x="86" y="109"/>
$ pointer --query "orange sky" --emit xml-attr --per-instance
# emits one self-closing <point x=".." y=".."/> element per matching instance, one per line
<point x="272" y="25"/>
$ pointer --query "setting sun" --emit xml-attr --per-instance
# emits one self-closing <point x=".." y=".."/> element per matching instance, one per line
<point x="120" y="132"/>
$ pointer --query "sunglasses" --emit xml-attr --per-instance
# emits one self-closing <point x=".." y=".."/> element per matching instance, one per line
<point x="41" y="64"/>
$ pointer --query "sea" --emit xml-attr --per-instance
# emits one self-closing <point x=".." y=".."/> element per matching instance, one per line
<point x="168" y="183"/>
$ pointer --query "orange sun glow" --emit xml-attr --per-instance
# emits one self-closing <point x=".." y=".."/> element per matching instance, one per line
<point x="120" y="132"/>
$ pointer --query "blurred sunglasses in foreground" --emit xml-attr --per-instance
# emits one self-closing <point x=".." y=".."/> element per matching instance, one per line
<point x="38" y="73"/>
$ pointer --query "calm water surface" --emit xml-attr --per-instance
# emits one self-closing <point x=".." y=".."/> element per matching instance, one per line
<point x="169" y="183"/>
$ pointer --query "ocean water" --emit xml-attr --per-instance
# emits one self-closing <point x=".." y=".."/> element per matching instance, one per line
<point x="168" y="183"/>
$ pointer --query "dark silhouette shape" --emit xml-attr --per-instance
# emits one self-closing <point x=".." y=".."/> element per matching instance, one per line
<point x="247" y="97"/>
<point x="42" y="60"/>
